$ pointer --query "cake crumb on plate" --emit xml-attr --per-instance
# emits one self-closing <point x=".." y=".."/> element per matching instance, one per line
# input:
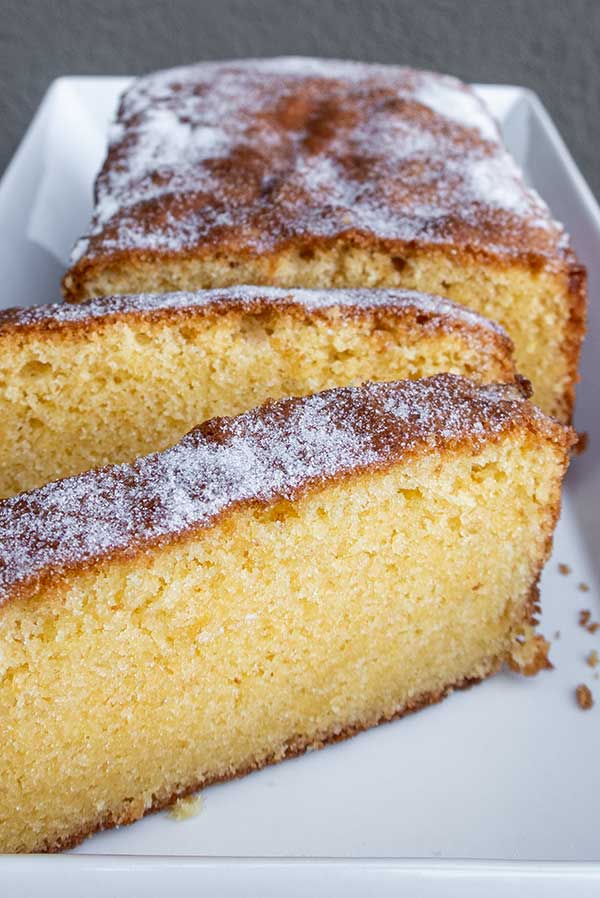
<point x="584" y="697"/>
<point x="186" y="807"/>
<point x="586" y="622"/>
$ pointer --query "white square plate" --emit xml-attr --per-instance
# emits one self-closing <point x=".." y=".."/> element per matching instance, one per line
<point x="495" y="788"/>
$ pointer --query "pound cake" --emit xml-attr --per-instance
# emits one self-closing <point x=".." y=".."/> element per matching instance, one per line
<point x="111" y="379"/>
<point x="318" y="173"/>
<point x="272" y="583"/>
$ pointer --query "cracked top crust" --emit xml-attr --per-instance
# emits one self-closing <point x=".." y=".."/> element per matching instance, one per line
<point x="249" y="157"/>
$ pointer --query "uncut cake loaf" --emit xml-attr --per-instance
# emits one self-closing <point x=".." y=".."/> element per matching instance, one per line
<point x="111" y="379"/>
<point x="318" y="173"/>
<point x="273" y="582"/>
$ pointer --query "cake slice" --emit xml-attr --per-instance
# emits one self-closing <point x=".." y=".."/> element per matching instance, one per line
<point x="273" y="582"/>
<point x="319" y="173"/>
<point x="108" y="380"/>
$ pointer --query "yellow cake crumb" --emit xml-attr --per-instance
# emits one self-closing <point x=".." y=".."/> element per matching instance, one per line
<point x="110" y="386"/>
<point x="277" y="621"/>
<point x="543" y="335"/>
<point x="184" y="808"/>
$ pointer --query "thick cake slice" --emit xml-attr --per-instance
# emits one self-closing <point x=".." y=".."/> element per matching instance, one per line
<point x="108" y="380"/>
<point x="273" y="582"/>
<point x="317" y="173"/>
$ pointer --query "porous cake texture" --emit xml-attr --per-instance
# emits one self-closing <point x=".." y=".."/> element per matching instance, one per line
<point x="319" y="173"/>
<point x="271" y="583"/>
<point x="114" y="378"/>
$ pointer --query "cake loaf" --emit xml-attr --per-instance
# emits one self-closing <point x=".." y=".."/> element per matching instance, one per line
<point x="316" y="173"/>
<point x="108" y="380"/>
<point x="273" y="582"/>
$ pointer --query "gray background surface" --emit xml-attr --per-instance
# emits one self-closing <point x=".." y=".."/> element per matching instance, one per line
<point x="552" y="46"/>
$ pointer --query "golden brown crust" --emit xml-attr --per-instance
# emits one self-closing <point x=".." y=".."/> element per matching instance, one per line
<point x="251" y="158"/>
<point x="381" y="306"/>
<point x="530" y="655"/>
<point x="574" y="331"/>
<point x="281" y="450"/>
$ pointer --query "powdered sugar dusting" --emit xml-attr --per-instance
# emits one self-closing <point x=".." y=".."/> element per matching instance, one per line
<point x="498" y="183"/>
<point x="449" y="98"/>
<point x="169" y="146"/>
<point x="263" y="455"/>
<point x="397" y="300"/>
<point x="253" y="153"/>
